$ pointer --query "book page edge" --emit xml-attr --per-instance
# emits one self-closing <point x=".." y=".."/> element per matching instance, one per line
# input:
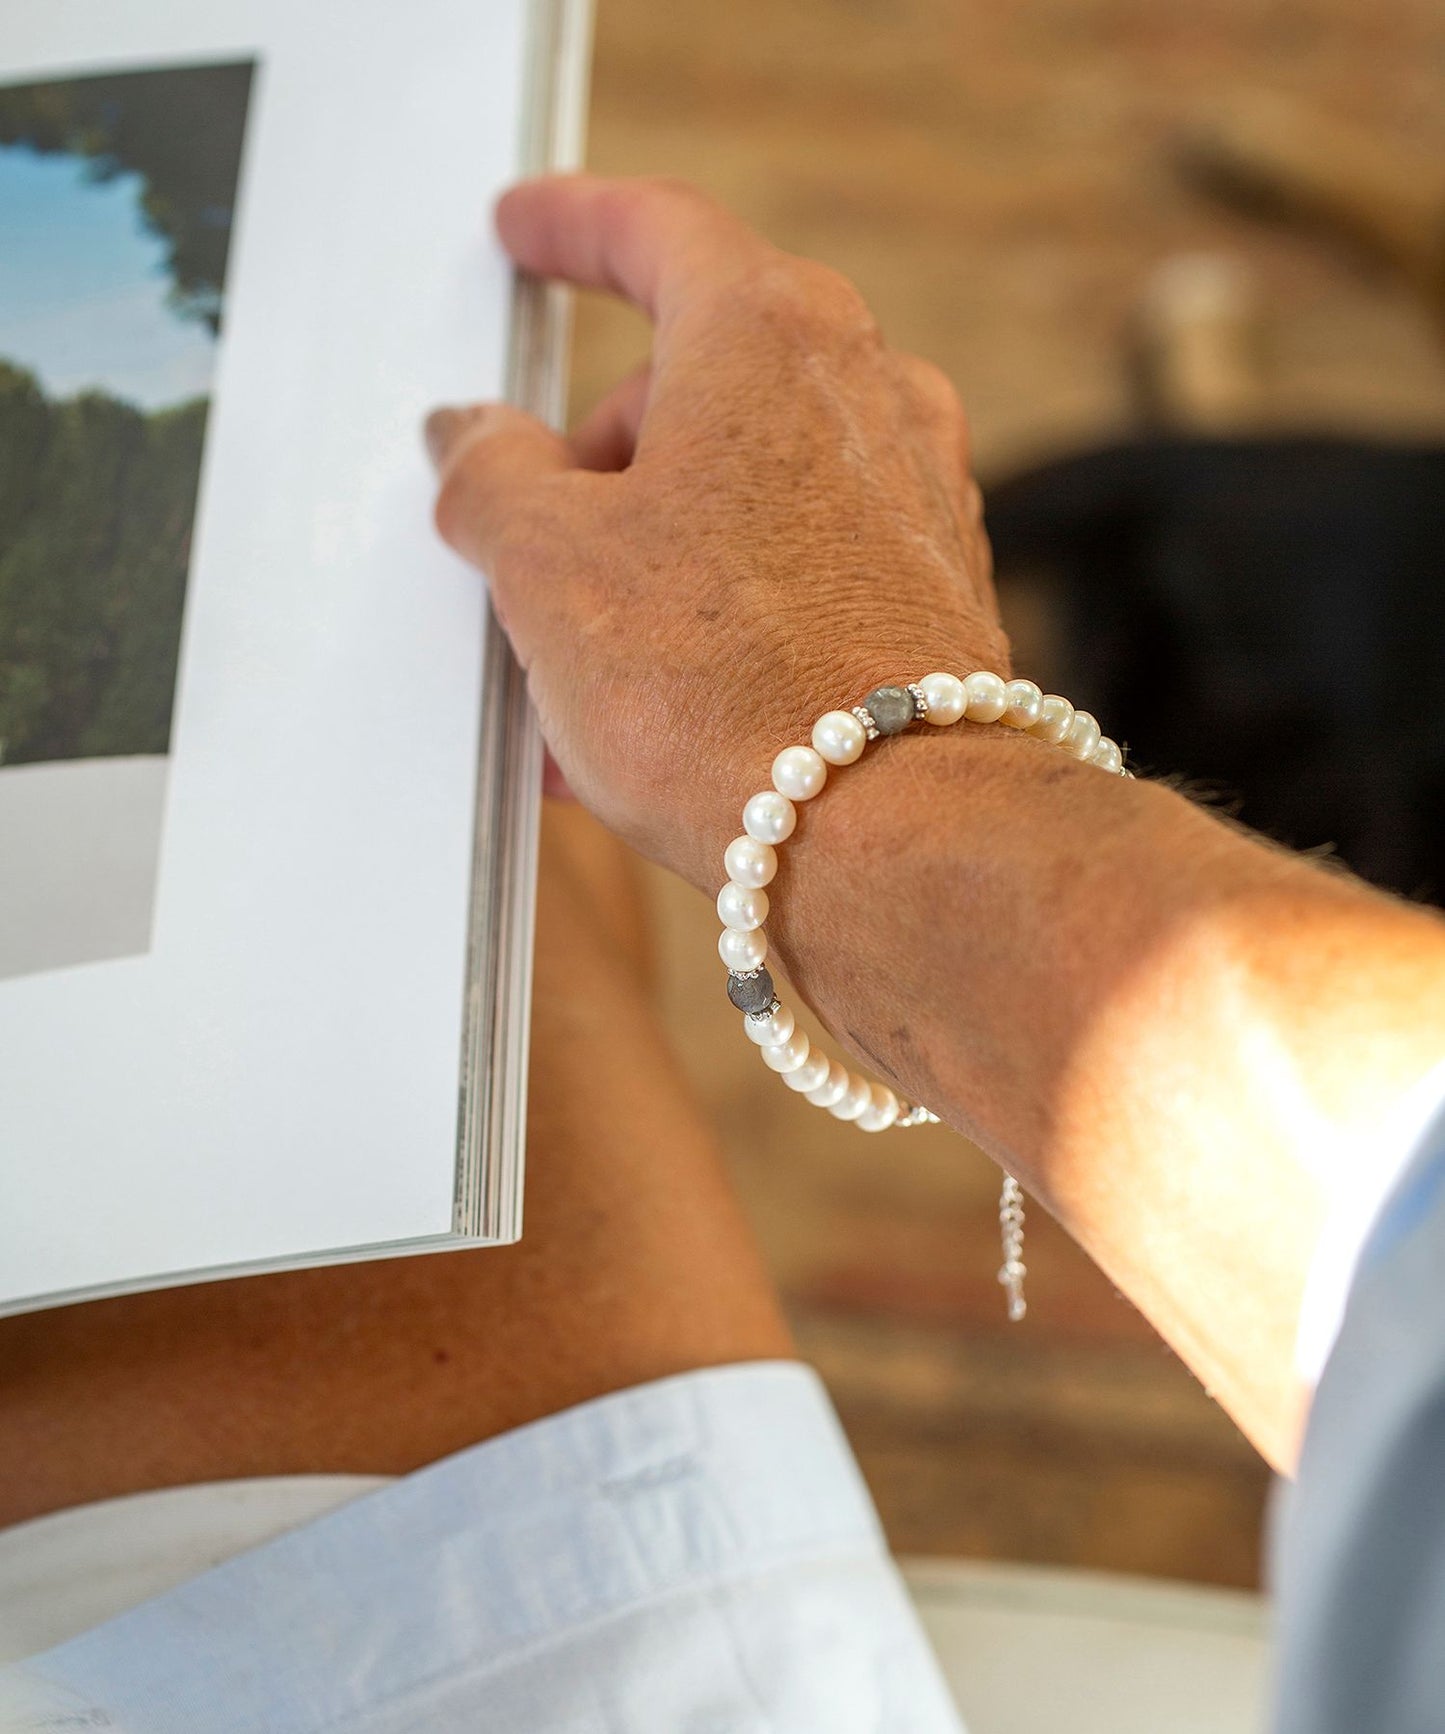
<point x="491" y="1137"/>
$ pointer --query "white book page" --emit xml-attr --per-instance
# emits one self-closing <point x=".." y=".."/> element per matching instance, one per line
<point x="274" y="1071"/>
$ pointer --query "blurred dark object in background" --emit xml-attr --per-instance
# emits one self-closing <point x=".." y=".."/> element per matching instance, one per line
<point x="1264" y="615"/>
<point x="1257" y="609"/>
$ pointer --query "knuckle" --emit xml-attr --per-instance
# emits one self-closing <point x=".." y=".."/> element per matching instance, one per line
<point x="450" y="514"/>
<point x="807" y="296"/>
<point x="931" y="382"/>
<point x="937" y="399"/>
<point x="512" y="549"/>
<point x="666" y="201"/>
<point x="507" y="528"/>
<point x="525" y="532"/>
<point x="675" y="189"/>
<point x="932" y="386"/>
<point x="835" y="299"/>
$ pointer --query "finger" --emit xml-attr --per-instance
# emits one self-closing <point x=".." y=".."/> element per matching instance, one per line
<point x="607" y="438"/>
<point x="489" y="458"/>
<point x="553" y="781"/>
<point x="656" y="243"/>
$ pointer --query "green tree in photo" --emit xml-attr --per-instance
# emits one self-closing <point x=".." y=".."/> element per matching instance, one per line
<point x="96" y="502"/>
<point x="97" y="496"/>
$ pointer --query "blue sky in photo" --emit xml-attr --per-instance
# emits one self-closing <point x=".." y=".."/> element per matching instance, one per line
<point x="83" y="287"/>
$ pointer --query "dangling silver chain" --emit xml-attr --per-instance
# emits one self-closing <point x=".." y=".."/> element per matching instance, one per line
<point x="1011" y="1230"/>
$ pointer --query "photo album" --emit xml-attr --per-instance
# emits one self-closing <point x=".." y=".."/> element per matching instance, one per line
<point x="268" y="778"/>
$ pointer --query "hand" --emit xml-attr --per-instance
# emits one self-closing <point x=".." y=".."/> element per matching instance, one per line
<point x="1156" y="1022"/>
<point x="774" y="517"/>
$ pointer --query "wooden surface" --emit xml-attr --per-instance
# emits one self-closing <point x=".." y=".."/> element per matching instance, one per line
<point x="999" y="176"/>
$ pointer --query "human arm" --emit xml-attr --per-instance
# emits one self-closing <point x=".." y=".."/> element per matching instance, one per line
<point x="1171" y="1032"/>
<point x="1181" y="1039"/>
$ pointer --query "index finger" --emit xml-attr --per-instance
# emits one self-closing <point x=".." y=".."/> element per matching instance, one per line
<point x="659" y="244"/>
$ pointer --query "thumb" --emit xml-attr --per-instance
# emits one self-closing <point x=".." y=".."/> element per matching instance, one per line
<point x="488" y="457"/>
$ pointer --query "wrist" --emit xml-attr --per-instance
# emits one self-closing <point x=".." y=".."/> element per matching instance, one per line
<point x="940" y="702"/>
<point x="958" y="906"/>
<point x="795" y="687"/>
<point x="875" y="869"/>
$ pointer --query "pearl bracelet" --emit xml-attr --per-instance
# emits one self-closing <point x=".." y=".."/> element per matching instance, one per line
<point x="839" y="738"/>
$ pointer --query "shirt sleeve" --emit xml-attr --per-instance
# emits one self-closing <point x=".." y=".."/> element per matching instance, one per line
<point x="1359" y="1199"/>
<point x="1359" y="1544"/>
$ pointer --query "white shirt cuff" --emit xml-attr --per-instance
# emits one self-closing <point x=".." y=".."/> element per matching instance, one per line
<point x="696" y="1553"/>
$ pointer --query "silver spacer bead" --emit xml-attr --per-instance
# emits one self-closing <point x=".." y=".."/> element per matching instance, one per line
<point x="920" y="701"/>
<point x="865" y="716"/>
<point x="766" y="1012"/>
<point x="917" y="1115"/>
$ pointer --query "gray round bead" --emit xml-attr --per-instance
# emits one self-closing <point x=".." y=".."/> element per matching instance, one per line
<point x="891" y="707"/>
<point x="751" y="993"/>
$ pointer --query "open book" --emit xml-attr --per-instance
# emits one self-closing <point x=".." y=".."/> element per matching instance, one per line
<point x="268" y="781"/>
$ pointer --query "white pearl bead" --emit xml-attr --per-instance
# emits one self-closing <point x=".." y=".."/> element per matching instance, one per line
<point x="1107" y="756"/>
<point x="1025" y="701"/>
<point x="854" y="1100"/>
<point x="881" y="1111"/>
<point x="799" y="773"/>
<point x="984" y="697"/>
<point x="742" y="952"/>
<point x="1083" y="736"/>
<point x="810" y="1074"/>
<point x="946" y="698"/>
<point x="839" y="737"/>
<point x="833" y="1088"/>
<point x="749" y="862"/>
<point x="768" y="1031"/>
<point x="742" y="906"/>
<point x="1055" y="717"/>
<point x="787" y="1056"/>
<point x="770" y="817"/>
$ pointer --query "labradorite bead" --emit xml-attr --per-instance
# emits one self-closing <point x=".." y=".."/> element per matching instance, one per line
<point x="891" y="708"/>
<point x="751" y="993"/>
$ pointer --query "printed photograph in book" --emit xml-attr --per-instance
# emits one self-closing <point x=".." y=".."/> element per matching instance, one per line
<point x="117" y="205"/>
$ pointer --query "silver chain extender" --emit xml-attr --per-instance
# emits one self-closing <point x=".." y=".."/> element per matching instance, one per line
<point x="1011" y="1230"/>
<point x="1013" y="1270"/>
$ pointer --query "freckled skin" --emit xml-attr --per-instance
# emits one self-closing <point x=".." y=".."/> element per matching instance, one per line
<point x="1153" y="1019"/>
<point x="1087" y="970"/>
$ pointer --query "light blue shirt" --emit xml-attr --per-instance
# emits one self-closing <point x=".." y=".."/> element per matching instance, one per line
<point x="1360" y="1550"/>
